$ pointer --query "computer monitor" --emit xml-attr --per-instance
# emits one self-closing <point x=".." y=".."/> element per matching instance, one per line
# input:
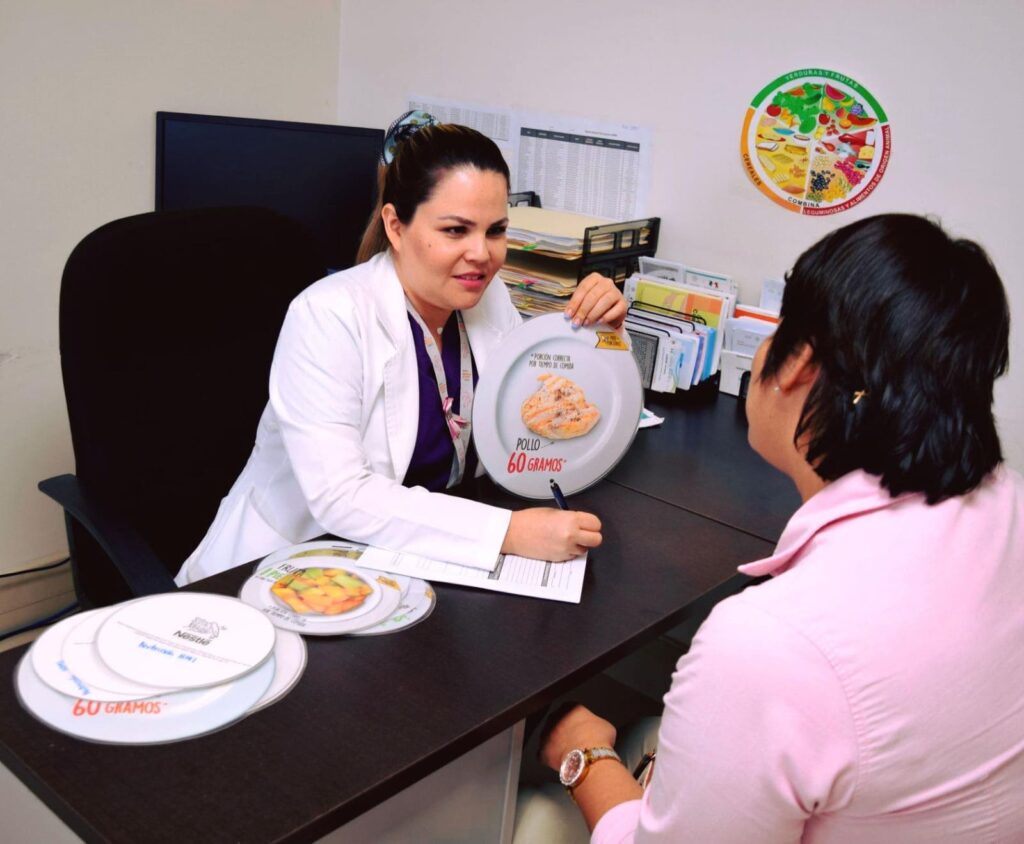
<point x="321" y="175"/>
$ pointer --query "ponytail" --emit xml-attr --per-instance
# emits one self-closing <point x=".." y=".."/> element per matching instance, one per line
<point x="375" y="239"/>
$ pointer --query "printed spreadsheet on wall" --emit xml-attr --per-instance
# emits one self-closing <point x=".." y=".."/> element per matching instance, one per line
<point x="573" y="164"/>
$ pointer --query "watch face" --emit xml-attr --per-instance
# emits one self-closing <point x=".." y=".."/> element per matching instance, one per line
<point x="571" y="768"/>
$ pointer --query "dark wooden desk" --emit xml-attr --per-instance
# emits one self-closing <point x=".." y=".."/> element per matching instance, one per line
<point x="379" y="713"/>
<point x="698" y="459"/>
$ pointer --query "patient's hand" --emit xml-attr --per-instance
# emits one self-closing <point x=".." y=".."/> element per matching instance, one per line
<point x="578" y="728"/>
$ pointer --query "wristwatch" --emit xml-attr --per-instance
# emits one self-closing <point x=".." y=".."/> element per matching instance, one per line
<point x="576" y="763"/>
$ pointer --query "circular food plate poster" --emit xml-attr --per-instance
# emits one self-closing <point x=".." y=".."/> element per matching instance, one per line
<point x="556" y="403"/>
<point x="289" y="665"/>
<point x="343" y="548"/>
<point x="157" y="720"/>
<point x="321" y="595"/>
<point x="78" y="653"/>
<point x="815" y="142"/>
<point x="418" y="602"/>
<point x="53" y="668"/>
<point x="184" y="640"/>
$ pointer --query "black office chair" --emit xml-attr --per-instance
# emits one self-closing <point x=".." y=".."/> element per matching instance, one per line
<point x="168" y="322"/>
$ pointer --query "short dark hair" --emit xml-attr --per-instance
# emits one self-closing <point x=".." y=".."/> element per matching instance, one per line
<point x="892" y="307"/>
<point x="421" y="161"/>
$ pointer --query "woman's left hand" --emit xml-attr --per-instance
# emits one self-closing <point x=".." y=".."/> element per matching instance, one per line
<point x="579" y="727"/>
<point x="597" y="299"/>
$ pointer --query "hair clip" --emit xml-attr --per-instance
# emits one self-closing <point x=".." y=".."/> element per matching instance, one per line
<point x="858" y="395"/>
<point x="404" y="127"/>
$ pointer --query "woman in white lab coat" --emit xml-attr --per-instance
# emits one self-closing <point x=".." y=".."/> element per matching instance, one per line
<point x="372" y="380"/>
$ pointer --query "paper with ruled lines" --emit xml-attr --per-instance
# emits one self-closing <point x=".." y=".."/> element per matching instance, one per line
<point x="514" y="575"/>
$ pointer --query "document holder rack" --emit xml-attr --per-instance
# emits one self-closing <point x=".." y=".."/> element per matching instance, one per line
<point x="631" y="240"/>
<point x="646" y="307"/>
<point x="524" y="197"/>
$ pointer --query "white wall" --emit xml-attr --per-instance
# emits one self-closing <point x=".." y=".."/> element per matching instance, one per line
<point x="79" y="85"/>
<point x="946" y="73"/>
<point x="80" y="82"/>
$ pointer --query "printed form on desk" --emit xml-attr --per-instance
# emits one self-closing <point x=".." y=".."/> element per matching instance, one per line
<point x="514" y="575"/>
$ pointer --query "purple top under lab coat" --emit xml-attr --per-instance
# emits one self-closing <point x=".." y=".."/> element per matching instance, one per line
<point x="431" y="462"/>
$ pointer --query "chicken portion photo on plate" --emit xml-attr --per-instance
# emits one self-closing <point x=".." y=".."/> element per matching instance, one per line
<point x="559" y="409"/>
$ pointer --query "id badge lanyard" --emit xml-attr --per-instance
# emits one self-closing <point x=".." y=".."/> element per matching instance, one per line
<point x="456" y="418"/>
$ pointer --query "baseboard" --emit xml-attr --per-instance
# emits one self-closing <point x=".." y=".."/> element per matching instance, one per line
<point x="29" y="597"/>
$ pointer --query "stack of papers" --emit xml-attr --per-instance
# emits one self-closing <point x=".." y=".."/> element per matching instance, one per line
<point x="553" y="280"/>
<point x="545" y="248"/>
<point x="744" y="334"/>
<point x="544" y="252"/>
<point x="531" y="303"/>
<point x="512" y="574"/>
<point x="558" y="234"/>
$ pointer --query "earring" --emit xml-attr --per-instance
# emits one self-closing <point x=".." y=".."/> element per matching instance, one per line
<point x="775" y="388"/>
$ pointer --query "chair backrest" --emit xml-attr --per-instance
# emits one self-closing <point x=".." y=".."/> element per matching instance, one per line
<point x="168" y="322"/>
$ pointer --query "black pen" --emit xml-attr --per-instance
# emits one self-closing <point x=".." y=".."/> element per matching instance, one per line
<point x="559" y="498"/>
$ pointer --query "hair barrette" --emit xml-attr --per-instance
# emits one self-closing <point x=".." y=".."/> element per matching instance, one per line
<point x="858" y="395"/>
<point x="404" y="127"/>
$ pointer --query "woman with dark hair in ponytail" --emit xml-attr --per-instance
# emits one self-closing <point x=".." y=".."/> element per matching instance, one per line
<point x="873" y="689"/>
<point x="371" y="387"/>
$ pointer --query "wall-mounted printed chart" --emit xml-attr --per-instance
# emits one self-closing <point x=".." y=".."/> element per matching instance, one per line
<point x="815" y="142"/>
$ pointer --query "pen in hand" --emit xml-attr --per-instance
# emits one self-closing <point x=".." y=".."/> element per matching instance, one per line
<point x="559" y="498"/>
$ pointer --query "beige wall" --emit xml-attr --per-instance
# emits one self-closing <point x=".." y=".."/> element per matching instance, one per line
<point x="945" y="71"/>
<point x="79" y="85"/>
<point x="80" y="82"/>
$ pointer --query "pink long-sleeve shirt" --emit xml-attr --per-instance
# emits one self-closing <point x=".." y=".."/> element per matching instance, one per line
<point x="872" y="691"/>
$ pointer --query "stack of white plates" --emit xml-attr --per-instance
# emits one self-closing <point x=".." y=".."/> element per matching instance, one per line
<point x="158" y="669"/>
<point x="317" y="589"/>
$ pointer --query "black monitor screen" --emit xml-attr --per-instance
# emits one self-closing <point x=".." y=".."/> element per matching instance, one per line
<point x="321" y="175"/>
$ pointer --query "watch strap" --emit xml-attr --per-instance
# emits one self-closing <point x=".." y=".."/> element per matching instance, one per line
<point x="592" y="754"/>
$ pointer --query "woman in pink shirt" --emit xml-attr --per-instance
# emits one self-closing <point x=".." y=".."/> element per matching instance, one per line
<point x="873" y="689"/>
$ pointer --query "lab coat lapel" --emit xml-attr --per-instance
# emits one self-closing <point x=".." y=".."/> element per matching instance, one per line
<point x="483" y="334"/>
<point x="401" y="381"/>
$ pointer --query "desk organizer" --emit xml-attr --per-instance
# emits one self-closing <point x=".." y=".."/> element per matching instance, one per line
<point x="630" y="240"/>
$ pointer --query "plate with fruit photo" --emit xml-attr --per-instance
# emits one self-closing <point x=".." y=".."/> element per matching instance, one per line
<point x="321" y="595"/>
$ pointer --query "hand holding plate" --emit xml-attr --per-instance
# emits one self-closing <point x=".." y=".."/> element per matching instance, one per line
<point x="597" y="299"/>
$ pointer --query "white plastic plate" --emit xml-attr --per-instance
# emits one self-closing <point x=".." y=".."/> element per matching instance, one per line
<point x="157" y="720"/>
<point x="598" y="362"/>
<point x="52" y="668"/>
<point x="79" y="654"/>
<point x="184" y="640"/>
<point x="329" y="548"/>
<point x="256" y="592"/>
<point x="417" y="603"/>
<point x="290" y="663"/>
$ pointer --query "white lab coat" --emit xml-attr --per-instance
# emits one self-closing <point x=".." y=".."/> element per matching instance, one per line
<point x="337" y="435"/>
